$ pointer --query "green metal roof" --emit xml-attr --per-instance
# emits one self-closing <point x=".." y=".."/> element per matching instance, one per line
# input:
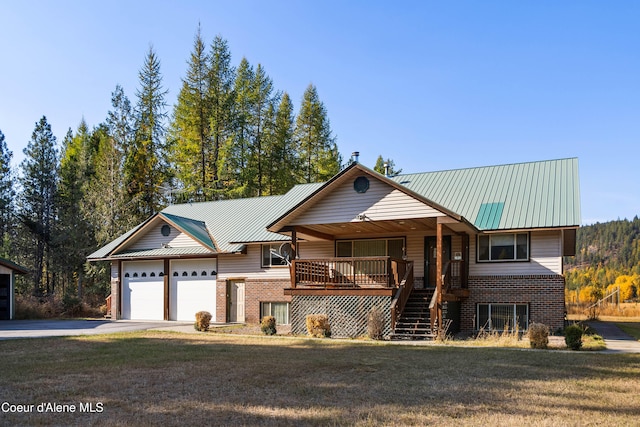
<point x="542" y="194"/>
<point x="163" y="252"/>
<point x="196" y="229"/>
<point x="234" y="222"/>
<point x="515" y="196"/>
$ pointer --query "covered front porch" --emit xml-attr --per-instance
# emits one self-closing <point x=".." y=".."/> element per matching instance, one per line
<point x="362" y="235"/>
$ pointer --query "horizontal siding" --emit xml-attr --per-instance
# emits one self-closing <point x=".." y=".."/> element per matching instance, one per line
<point x="153" y="238"/>
<point x="248" y="266"/>
<point x="380" y="202"/>
<point x="545" y="258"/>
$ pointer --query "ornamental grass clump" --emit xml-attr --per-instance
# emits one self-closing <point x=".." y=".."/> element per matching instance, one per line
<point x="203" y="320"/>
<point x="268" y="325"/>
<point x="538" y="335"/>
<point x="318" y="325"/>
<point x="375" y="323"/>
<point x="573" y="336"/>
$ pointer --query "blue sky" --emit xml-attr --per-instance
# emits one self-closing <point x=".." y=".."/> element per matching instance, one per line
<point x="432" y="85"/>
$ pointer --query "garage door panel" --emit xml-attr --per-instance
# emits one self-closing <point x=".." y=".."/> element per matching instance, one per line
<point x="143" y="290"/>
<point x="192" y="289"/>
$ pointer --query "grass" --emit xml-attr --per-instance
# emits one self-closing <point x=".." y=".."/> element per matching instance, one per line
<point x="631" y="328"/>
<point x="161" y="378"/>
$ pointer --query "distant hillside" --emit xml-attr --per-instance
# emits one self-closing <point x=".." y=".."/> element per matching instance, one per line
<point x="606" y="250"/>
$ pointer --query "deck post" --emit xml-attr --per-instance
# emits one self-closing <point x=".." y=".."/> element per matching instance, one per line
<point x="439" y="272"/>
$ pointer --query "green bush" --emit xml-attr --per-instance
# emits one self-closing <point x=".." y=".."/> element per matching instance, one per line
<point x="375" y="323"/>
<point x="268" y="325"/>
<point x="72" y="305"/>
<point x="573" y="336"/>
<point x="203" y="320"/>
<point x="318" y="325"/>
<point x="538" y="335"/>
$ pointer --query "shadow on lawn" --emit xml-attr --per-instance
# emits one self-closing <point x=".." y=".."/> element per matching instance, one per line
<point x="162" y="378"/>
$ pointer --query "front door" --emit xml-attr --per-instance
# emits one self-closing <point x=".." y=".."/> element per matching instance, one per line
<point x="430" y="260"/>
<point x="236" y="301"/>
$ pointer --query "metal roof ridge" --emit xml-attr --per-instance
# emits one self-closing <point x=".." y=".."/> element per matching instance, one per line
<point x="484" y="167"/>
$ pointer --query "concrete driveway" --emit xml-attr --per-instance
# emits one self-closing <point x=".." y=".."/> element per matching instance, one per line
<point x="57" y="328"/>
<point x="616" y="340"/>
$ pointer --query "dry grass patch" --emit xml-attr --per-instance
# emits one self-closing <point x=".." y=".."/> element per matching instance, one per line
<point x="157" y="378"/>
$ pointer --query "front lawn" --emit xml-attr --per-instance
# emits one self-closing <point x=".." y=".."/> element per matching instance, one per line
<point x="156" y="378"/>
<point x="631" y="328"/>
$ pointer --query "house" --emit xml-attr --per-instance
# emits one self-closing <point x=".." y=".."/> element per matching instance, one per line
<point x="468" y="248"/>
<point x="8" y="271"/>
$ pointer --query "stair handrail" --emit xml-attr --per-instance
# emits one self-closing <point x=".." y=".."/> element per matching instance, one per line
<point x="402" y="295"/>
<point x="433" y="310"/>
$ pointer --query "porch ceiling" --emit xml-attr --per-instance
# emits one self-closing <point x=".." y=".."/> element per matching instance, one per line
<point x="371" y="228"/>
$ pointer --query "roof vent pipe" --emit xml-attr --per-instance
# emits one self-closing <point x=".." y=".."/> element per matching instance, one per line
<point x="386" y="169"/>
<point x="355" y="156"/>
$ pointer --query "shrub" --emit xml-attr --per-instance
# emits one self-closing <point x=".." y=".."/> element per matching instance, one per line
<point x="203" y="319"/>
<point x="538" y="335"/>
<point x="375" y="323"/>
<point x="72" y="305"/>
<point x="268" y="325"/>
<point x="318" y="325"/>
<point x="573" y="336"/>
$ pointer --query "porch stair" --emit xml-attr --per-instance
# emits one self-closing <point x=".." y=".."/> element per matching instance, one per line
<point x="414" y="323"/>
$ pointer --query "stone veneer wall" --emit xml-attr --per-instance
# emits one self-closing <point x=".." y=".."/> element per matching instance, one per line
<point x="347" y="313"/>
<point x="543" y="293"/>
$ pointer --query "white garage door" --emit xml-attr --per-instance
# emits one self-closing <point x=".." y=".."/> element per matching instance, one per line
<point x="143" y="290"/>
<point x="192" y="289"/>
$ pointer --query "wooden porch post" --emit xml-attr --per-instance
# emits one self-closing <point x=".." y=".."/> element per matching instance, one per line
<point x="294" y="256"/>
<point x="294" y="244"/>
<point x="439" y="272"/>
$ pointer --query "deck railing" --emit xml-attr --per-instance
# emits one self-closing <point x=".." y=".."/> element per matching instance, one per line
<point x="362" y="272"/>
<point x="454" y="275"/>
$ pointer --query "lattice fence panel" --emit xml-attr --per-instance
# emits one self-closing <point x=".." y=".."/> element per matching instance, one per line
<point x="347" y="314"/>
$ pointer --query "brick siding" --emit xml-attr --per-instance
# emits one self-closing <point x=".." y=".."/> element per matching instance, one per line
<point x="543" y="293"/>
<point x="255" y="292"/>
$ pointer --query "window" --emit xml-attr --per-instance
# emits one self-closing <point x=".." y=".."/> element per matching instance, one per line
<point x="370" y="247"/>
<point x="276" y="254"/>
<point x="498" y="317"/>
<point x="503" y="247"/>
<point x="279" y="310"/>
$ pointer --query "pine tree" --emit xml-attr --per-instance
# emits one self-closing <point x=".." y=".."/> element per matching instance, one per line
<point x="261" y="118"/>
<point x="74" y="236"/>
<point x="145" y="166"/>
<point x="236" y="156"/>
<point x="221" y="99"/>
<point x="7" y="195"/>
<point x="36" y="203"/>
<point x="283" y="163"/>
<point x="391" y="166"/>
<point x="189" y="131"/>
<point x="317" y="148"/>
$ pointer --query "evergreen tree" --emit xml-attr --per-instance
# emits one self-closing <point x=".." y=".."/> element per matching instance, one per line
<point x="74" y="237"/>
<point x="261" y="118"/>
<point x="221" y="99"/>
<point x="7" y="195"/>
<point x="380" y="167"/>
<point x="189" y="132"/>
<point x="36" y="204"/>
<point x="317" y="148"/>
<point x="145" y="166"/>
<point x="236" y="156"/>
<point x="283" y="163"/>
